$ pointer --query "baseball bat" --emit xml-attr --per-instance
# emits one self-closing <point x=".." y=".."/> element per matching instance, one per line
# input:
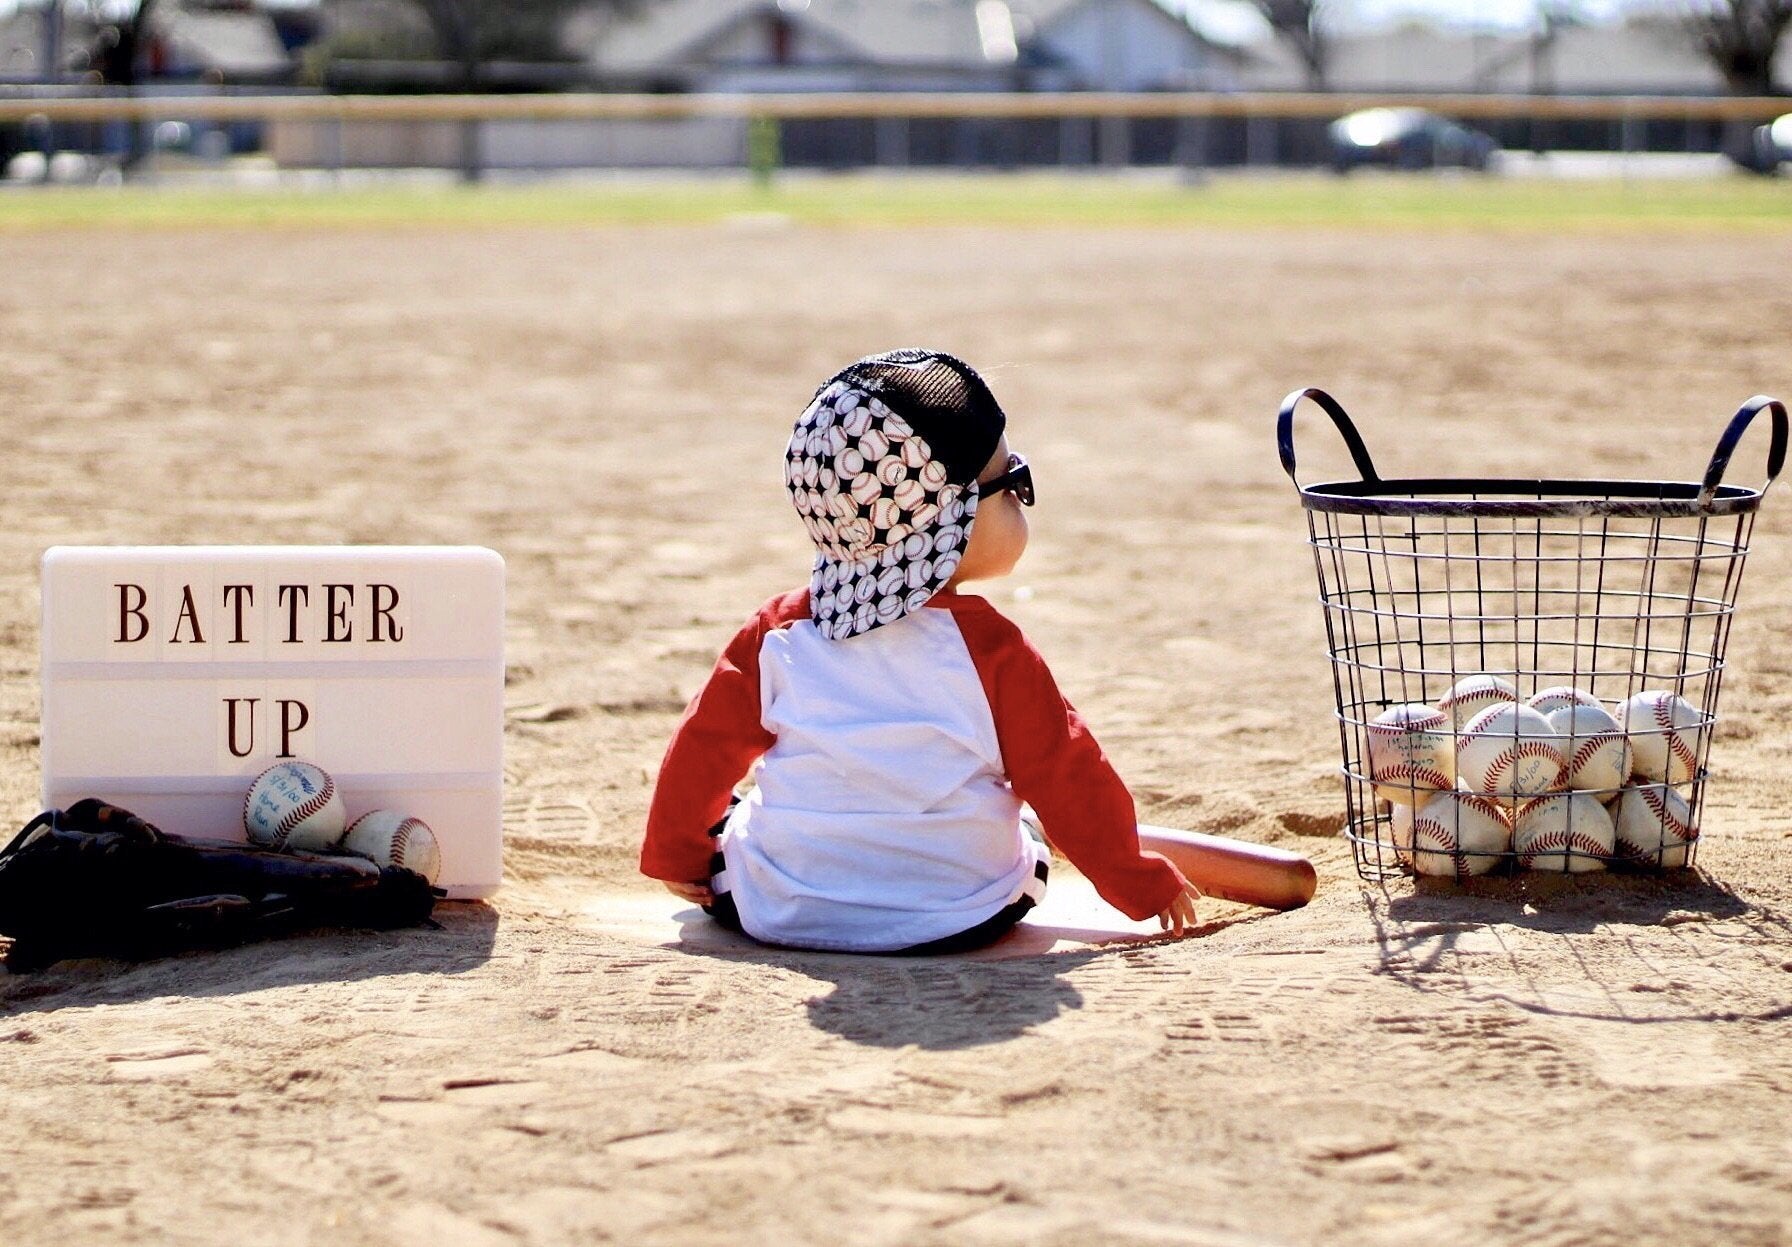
<point x="1234" y="870"/>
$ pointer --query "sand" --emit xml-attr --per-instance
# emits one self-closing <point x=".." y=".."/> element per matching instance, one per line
<point x="1589" y="1062"/>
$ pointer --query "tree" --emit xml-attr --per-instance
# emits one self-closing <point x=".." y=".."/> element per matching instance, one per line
<point x="470" y="34"/>
<point x="1301" y="25"/>
<point x="117" y="52"/>
<point x="1740" y="38"/>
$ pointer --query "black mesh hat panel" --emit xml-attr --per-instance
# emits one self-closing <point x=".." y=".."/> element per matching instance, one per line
<point x="942" y="397"/>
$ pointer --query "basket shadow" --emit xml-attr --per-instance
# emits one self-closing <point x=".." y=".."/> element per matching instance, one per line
<point x="1662" y="949"/>
<point x="460" y="939"/>
<point x="1568" y="903"/>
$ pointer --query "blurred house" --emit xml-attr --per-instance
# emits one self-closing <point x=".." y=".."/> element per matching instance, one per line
<point x="225" y="42"/>
<point x="900" y="45"/>
<point x="28" y="46"/>
<point x="1634" y="58"/>
<point x="822" y="46"/>
<point x="217" y="42"/>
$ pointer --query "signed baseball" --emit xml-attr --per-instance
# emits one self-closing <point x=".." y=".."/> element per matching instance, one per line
<point x="1459" y="834"/>
<point x="389" y="838"/>
<point x="1510" y="752"/>
<point x="1411" y="753"/>
<point x="1654" y="826"/>
<point x="1469" y="697"/>
<point x="1568" y="832"/>
<point x="1595" y="748"/>
<point x="294" y="805"/>
<point x="1664" y="734"/>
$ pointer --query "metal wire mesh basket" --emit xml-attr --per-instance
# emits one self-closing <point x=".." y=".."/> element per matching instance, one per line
<point x="1457" y="609"/>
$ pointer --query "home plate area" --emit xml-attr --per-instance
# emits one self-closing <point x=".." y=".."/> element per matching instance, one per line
<point x="1071" y="916"/>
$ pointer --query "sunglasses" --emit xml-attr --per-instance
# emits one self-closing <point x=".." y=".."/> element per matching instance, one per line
<point x="1018" y="477"/>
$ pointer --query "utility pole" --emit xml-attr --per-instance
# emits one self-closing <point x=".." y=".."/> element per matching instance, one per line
<point x="52" y="66"/>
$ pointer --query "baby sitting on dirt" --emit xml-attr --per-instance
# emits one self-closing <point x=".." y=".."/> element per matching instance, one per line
<point x="901" y="723"/>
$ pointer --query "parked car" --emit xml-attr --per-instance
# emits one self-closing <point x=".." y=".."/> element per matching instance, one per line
<point x="1769" y="147"/>
<point x="1408" y="138"/>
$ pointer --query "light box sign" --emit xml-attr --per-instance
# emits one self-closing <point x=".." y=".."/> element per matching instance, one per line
<point x="173" y="675"/>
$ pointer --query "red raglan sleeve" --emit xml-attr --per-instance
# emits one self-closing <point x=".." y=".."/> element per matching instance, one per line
<point x="717" y="740"/>
<point x="1055" y="765"/>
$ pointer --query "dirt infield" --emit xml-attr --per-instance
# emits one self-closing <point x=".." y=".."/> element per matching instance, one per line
<point x="1607" y="1061"/>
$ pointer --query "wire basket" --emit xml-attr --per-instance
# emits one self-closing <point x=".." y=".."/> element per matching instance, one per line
<point x="1623" y="590"/>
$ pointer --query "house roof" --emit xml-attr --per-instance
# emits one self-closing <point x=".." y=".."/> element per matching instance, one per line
<point x="235" y="43"/>
<point x="685" y="32"/>
<point x="936" y="33"/>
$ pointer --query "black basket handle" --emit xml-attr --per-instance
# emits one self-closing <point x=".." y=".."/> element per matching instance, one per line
<point x="1726" y="445"/>
<point x="1346" y="429"/>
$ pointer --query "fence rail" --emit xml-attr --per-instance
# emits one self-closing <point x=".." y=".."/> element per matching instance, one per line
<point x="868" y="106"/>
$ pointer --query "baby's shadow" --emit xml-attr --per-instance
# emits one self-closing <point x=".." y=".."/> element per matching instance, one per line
<point x="963" y="1000"/>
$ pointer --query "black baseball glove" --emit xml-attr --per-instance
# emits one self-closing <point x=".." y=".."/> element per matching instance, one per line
<point x="97" y="881"/>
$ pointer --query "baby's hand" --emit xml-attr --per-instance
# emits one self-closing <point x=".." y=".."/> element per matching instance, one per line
<point x="695" y="893"/>
<point x="1179" y="918"/>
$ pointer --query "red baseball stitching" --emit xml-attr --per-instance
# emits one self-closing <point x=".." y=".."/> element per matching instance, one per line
<point x="401" y="836"/>
<point x="1657" y="856"/>
<point x="305" y="809"/>
<point x="1424" y="723"/>
<point x="1669" y="820"/>
<point x="310" y="807"/>
<point x="1445" y="835"/>
<point x="1675" y="745"/>
<point x="1448" y="835"/>
<point x="1509" y="756"/>
<point x="1492" y="696"/>
<point x="1564" y="840"/>
<point x="1409" y="770"/>
<point x="1569" y="698"/>
<point x="1589" y="746"/>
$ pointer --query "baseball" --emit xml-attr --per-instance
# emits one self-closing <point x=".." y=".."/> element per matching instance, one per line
<point x="1569" y="832"/>
<point x="1411" y="753"/>
<point x="294" y="805"/>
<point x="1469" y="697"/>
<point x="1664" y="735"/>
<point x="1654" y="826"/>
<point x="1457" y="834"/>
<point x="1400" y="827"/>
<point x="389" y="838"/>
<point x="1510" y="752"/>
<point x="1595" y="747"/>
<point x="1561" y="697"/>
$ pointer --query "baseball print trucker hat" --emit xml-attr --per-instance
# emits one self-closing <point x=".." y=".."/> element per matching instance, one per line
<point x="883" y="469"/>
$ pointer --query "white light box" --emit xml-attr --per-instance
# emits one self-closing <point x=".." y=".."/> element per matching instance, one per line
<point x="173" y="675"/>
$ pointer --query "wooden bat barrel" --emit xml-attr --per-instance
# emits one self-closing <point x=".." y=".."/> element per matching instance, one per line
<point x="1234" y="870"/>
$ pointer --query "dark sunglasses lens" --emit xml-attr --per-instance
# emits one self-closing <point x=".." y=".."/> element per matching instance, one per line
<point x="1023" y="484"/>
<point x="1018" y="478"/>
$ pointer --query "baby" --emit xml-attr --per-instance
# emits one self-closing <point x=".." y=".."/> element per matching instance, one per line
<point x="899" y="724"/>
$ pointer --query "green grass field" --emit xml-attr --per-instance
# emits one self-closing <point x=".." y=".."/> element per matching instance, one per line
<point x="1723" y="203"/>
